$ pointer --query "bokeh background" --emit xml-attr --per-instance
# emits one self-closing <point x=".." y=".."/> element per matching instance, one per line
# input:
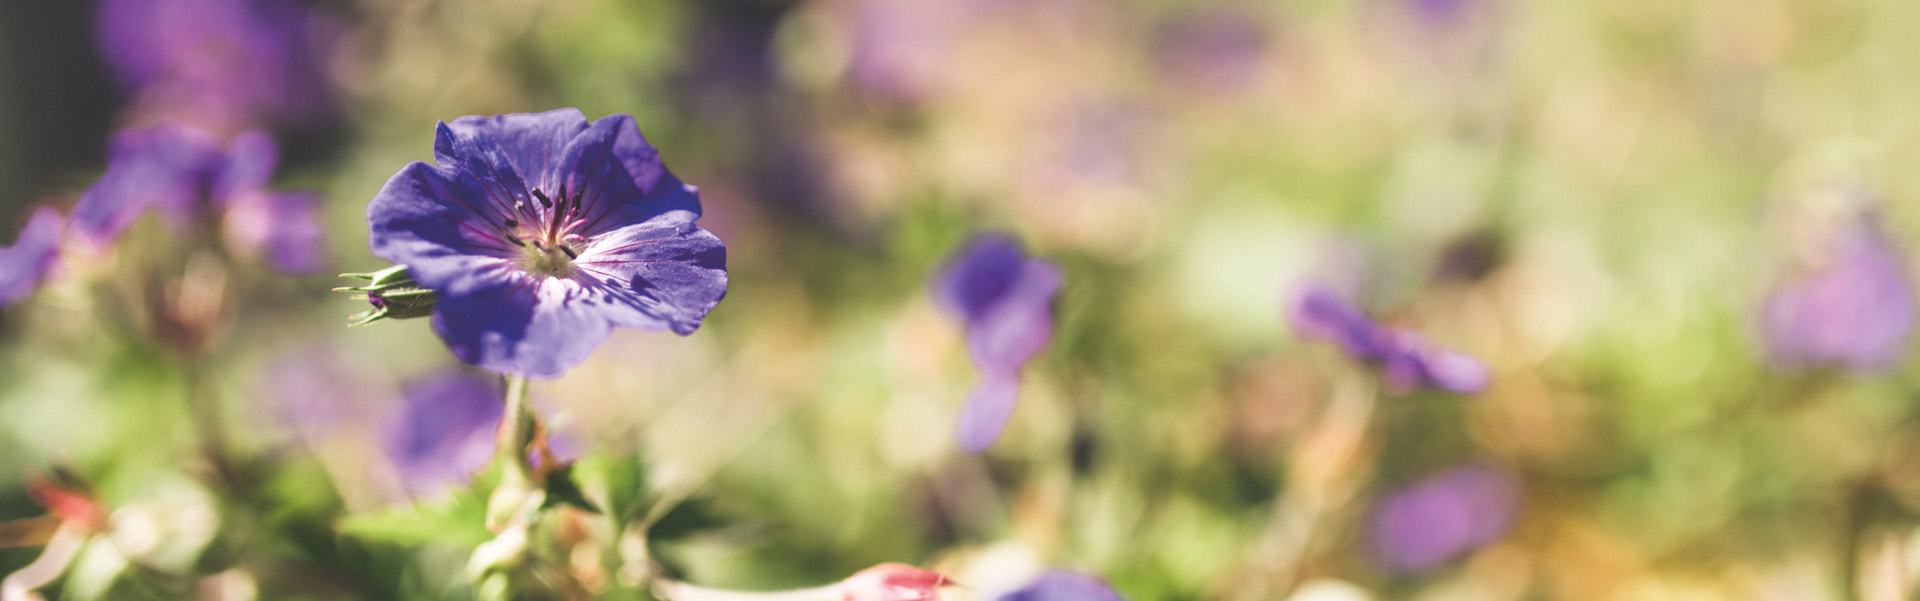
<point x="1596" y="198"/>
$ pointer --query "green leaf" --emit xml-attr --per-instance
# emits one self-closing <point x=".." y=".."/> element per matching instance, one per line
<point x="460" y="519"/>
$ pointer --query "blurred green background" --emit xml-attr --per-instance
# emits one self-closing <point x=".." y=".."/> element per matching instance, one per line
<point x="1594" y="197"/>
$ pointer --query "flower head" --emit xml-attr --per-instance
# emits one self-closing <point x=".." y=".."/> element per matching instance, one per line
<point x="1005" y="299"/>
<point x="221" y="64"/>
<point x="1056" y="585"/>
<point x="540" y="233"/>
<point x="24" y="264"/>
<point x="1857" y="310"/>
<point x="1406" y="359"/>
<point x="893" y="582"/>
<point x="186" y="176"/>
<point x="1443" y="516"/>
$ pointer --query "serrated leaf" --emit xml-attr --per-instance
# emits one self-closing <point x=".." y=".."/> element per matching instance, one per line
<point x="459" y="519"/>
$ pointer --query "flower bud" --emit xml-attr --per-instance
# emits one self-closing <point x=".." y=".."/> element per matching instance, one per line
<point x="893" y="582"/>
<point x="393" y="294"/>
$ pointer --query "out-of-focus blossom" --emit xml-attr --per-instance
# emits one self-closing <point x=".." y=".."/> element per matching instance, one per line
<point x="1406" y="359"/>
<point x="183" y="174"/>
<point x="225" y="65"/>
<point x="1005" y="298"/>
<point x="893" y="582"/>
<point x="444" y="433"/>
<point x="540" y="233"/>
<point x="1215" y="51"/>
<point x="1443" y="516"/>
<point x="1857" y="310"/>
<point x="1056" y="585"/>
<point x="24" y="264"/>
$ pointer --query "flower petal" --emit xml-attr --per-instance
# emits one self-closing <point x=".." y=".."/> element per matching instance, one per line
<point x="986" y="411"/>
<point x="527" y="145"/>
<point x="444" y="432"/>
<point x="439" y="225"/>
<point x="515" y="323"/>
<point x="1057" y="585"/>
<point x="32" y="254"/>
<point x="621" y="179"/>
<point x="656" y="276"/>
<point x="155" y="167"/>
<point x="979" y="275"/>
<point x="1019" y="322"/>
<point x="283" y="228"/>
<point x="1318" y="313"/>
<point x="247" y="167"/>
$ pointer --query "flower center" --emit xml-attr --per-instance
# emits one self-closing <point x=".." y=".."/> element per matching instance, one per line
<point x="548" y="244"/>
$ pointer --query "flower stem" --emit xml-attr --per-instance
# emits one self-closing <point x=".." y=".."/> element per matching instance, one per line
<point x="514" y="435"/>
<point x="510" y="497"/>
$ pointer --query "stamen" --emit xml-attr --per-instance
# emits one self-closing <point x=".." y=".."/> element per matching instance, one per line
<point x="570" y="254"/>
<point x="512" y="224"/>
<point x="544" y="201"/>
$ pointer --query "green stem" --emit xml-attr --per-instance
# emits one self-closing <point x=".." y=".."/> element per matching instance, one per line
<point x="510" y="452"/>
<point x="514" y="435"/>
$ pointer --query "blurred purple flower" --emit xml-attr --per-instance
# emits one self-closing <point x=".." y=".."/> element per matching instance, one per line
<point x="24" y="264"/>
<point x="183" y="174"/>
<point x="1056" y="585"/>
<point x="1406" y="359"/>
<point x="221" y="64"/>
<point x="444" y="433"/>
<point x="540" y="233"/>
<point x="1005" y="299"/>
<point x="1443" y="516"/>
<point x="1857" y="310"/>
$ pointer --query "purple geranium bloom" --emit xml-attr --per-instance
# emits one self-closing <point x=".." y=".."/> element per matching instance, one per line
<point x="184" y="175"/>
<point x="1857" y="310"/>
<point x="1005" y="298"/>
<point x="1407" y="360"/>
<point x="221" y="64"/>
<point x="1443" y="516"/>
<point x="1056" y="585"/>
<point x="540" y="233"/>
<point x="24" y="264"/>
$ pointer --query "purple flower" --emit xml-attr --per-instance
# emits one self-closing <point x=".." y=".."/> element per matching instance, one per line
<point x="221" y="64"/>
<point x="184" y="175"/>
<point x="1056" y="585"/>
<point x="445" y="431"/>
<point x="1444" y="516"/>
<point x="24" y="264"/>
<point x="1406" y="359"/>
<point x="1857" y="310"/>
<point x="540" y="233"/>
<point x="1005" y="299"/>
